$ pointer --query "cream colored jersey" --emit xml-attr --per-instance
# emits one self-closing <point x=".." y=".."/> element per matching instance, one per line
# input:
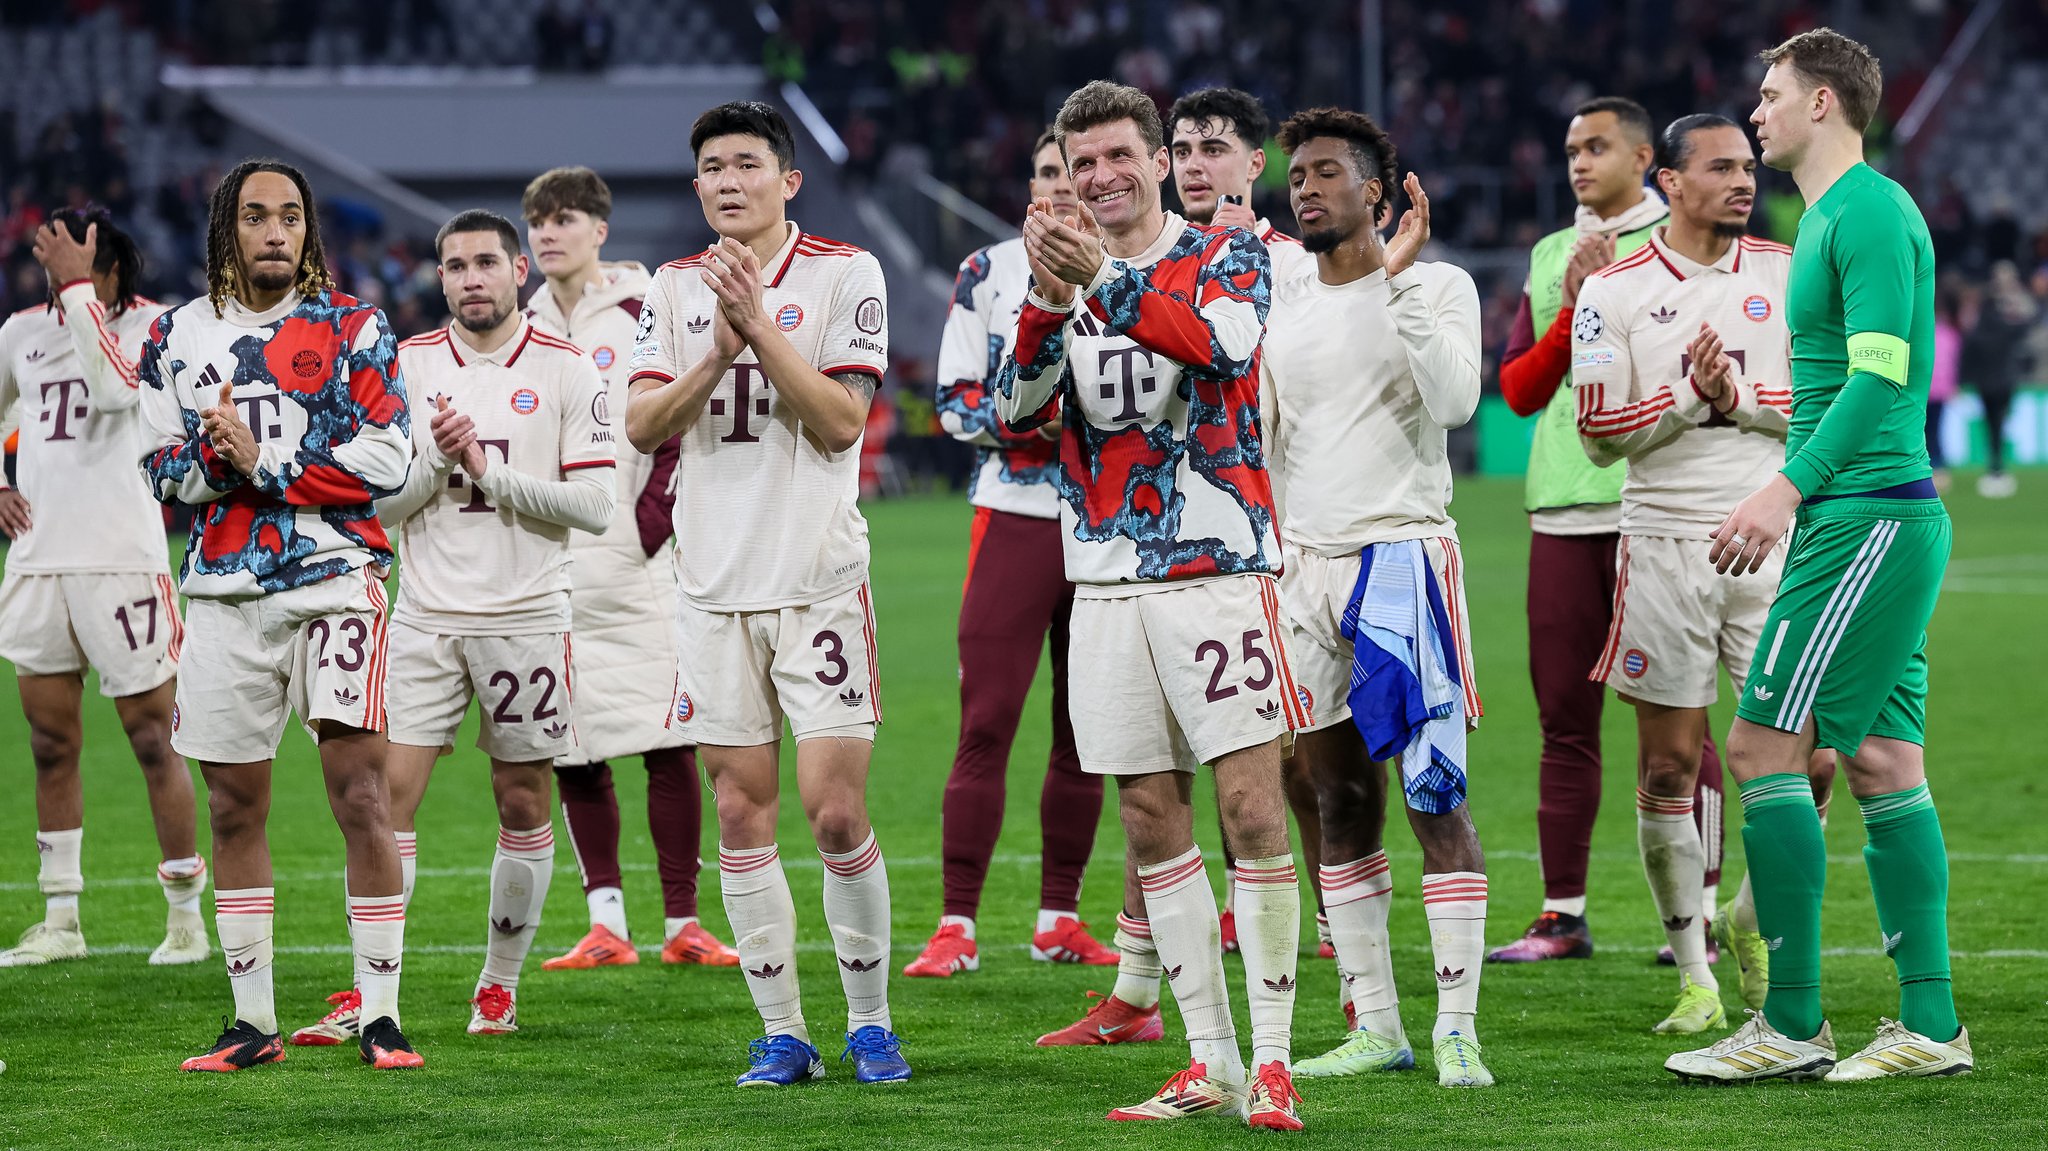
<point x="1690" y="461"/>
<point x="73" y="370"/>
<point x="491" y="556"/>
<point x="1291" y="261"/>
<point x="765" y="517"/>
<point x="1361" y="383"/>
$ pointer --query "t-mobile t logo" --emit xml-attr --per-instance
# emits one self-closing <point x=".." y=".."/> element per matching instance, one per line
<point x="1133" y="382"/>
<point x="259" y="411"/>
<point x="456" y="479"/>
<point x="744" y="402"/>
<point x="64" y="404"/>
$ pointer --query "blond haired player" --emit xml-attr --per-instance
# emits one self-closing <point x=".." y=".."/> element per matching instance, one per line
<point x="623" y="596"/>
<point x="100" y="596"/>
<point x="518" y="451"/>
<point x="763" y="353"/>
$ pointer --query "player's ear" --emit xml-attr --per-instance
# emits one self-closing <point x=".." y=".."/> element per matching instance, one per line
<point x="519" y="268"/>
<point x="791" y="181"/>
<point x="603" y="231"/>
<point x="1258" y="163"/>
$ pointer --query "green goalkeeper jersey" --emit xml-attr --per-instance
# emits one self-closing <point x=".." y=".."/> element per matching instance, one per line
<point x="1860" y="309"/>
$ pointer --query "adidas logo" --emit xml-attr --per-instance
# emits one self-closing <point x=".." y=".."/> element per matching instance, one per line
<point x="1282" y="984"/>
<point x="1891" y="942"/>
<point x="555" y="730"/>
<point x="698" y="325"/>
<point x="856" y="966"/>
<point x="383" y="966"/>
<point x="505" y="926"/>
<point x="35" y="355"/>
<point x="852" y="698"/>
<point x="1172" y="973"/>
<point x="1446" y="975"/>
<point x="1774" y="944"/>
<point x="1763" y="693"/>
<point x="768" y="970"/>
<point x="1678" y="923"/>
<point x="241" y="966"/>
<point x="1663" y="315"/>
<point x="346" y="698"/>
<point x="44" y="846"/>
<point x="1269" y="709"/>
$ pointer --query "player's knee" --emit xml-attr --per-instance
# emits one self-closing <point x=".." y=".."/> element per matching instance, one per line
<point x="233" y="815"/>
<point x="360" y="806"/>
<point x="1668" y="773"/>
<point x="839" y="825"/>
<point x="53" y="750"/>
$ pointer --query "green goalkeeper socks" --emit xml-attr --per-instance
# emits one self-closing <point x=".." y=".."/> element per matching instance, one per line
<point x="1788" y="870"/>
<point x="1909" y="880"/>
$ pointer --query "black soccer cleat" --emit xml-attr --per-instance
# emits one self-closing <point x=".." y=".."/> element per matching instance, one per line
<point x="384" y="1047"/>
<point x="240" y="1046"/>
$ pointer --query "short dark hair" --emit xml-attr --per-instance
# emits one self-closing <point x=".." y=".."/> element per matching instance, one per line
<point x="1046" y="137"/>
<point x="479" y="220"/>
<point x="566" y="189"/>
<point x="1633" y="117"/>
<point x="1371" y="148"/>
<point x="223" y="250"/>
<point x="1674" y="144"/>
<point x="746" y="118"/>
<point x="1101" y="102"/>
<point x="1824" y="58"/>
<point x="113" y="251"/>
<point x="1246" y="116"/>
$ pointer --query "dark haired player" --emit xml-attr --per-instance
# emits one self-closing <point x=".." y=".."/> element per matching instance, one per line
<point x="763" y="352"/>
<point x="274" y="407"/>
<point x="99" y="596"/>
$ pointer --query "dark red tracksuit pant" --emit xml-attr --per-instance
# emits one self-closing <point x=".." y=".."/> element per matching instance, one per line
<point x="1571" y="609"/>
<point x="675" y="817"/>
<point x="1015" y="596"/>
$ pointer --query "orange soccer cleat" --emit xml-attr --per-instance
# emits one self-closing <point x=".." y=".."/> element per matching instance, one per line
<point x="600" y="948"/>
<point x="695" y="945"/>
<point x="1110" y="1021"/>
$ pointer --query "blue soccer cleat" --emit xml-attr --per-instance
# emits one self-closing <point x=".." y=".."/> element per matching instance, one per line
<point x="780" y="1060"/>
<point x="877" y="1056"/>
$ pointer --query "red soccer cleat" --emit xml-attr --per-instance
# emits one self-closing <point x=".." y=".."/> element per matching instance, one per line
<point x="947" y="951"/>
<point x="1069" y="942"/>
<point x="1227" y="919"/>
<point x="1554" y="935"/>
<point x="600" y="948"/>
<point x="337" y="1026"/>
<point x="1110" y="1021"/>
<point x="239" y="1047"/>
<point x="1326" y="951"/>
<point x="1271" y="1105"/>
<point x="493" y="1011"/>
<point x="695" y="945"/>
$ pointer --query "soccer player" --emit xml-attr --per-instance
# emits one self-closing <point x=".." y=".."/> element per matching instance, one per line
<point x="1699" y="416"/>
<point x="1842" y="661"/>
<point x="519" y="451"/>
<point x="1574" y="516"/>
<point x="1368" y="364"/>
<point x="1141" y="335"/>
<point x="93" y="589"/>
<point x="274" y="407"/>
<point x="623" y="588"/>
<point x="1016" y="597"/>
<point x="763" y="352"/>
<point x="1218" y="144"/>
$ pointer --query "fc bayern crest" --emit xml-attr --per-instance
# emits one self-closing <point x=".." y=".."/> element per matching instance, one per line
<point x="526" y="401"/>
<point x="685" y="709"/>
<point x="1757" y="308"/>
<point x="788" y="317"/>
<point x="1307" y="700"/>
<point x="602" y="357"/>
<point x="1634" y="663"/>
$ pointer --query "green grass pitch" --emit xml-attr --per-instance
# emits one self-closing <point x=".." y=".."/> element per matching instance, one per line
<point x="644" y="1056"/>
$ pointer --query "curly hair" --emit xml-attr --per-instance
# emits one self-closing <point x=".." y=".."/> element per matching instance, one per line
<point x="223" y="250"/>
<point x="1240" y="112"/>
<point x="113" y="251"/>
<point x="1371" y="148"/>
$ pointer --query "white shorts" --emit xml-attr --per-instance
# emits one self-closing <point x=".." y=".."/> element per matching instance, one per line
<point x="124" y="625"/>
<point x="520" y="681"/>
<point x="739" y="674"/>
<point x="1316" y="590"/>
<point x="1675" y="618"/>
<point x="248" y="664"/>
<point x="1172" y="679"/>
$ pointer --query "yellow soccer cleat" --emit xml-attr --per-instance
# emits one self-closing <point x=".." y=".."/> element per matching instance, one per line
<point x="1699" y="1009"/>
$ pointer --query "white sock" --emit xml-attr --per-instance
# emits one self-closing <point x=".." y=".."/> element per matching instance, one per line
<point x="857" y="911"/>
<point x="1323" y="928"/>
<point x="1230" y="888"/>
<point x="674" y="924"/>
<point x="1190" y="940"/>
<point x="377" y="933"/>
<point x="1675" y="862"/>
<point x="183" y="881"/>
<point x="408" y="862"/>
<point x="1574" y="905"/>
<point x="1269" y="938"/>
<point x="1710" y="901"/>
<point x="1357" y="896"/>
<point x="763" y="919"/>
<point x="608" y="909"/>
<point x="59" y="876"/>
<point x="964" y="923"/>
<point x="243" y="919"/>
<point x="1048" y="919"/>
<point x="1745" y="906"/>
<point x="1137" y="965"/>
<point x="1455" y="903"/>
<point x="520" y="871"/>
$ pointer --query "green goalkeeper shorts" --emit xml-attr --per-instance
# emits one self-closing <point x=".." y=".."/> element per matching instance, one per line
<point x="1845" y="643"/>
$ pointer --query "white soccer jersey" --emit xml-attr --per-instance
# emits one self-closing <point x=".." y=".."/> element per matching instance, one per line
<point x="73" y="370"/>
<point x="491" y="557"/>
<point x="1361" y="384"/>
<point x="1014" y="472"/>
<point x="1291" y="261"/>
<point x="1689" y="462"/>
<point x="765" y="517"/>
<point x="603" y="324"/>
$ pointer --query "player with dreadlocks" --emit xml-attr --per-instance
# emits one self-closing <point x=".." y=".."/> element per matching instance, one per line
<point x="275" y="408"/>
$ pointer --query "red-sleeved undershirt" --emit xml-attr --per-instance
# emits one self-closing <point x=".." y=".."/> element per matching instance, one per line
<point x="1531" y="369"/>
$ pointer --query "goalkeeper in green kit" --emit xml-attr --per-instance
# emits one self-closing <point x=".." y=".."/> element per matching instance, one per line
<point x="1842" y="662"/>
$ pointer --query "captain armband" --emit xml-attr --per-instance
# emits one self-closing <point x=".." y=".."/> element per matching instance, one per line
<point x="1880" y="354"/>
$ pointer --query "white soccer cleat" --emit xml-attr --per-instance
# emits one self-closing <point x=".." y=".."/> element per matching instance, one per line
<point x="493" y="1012"/>
<point x="1758" y="1051"/>
<point x="1908" y="1054"/>
<point x="184" y="942"/>
<point x="1190" y="1092"/>
<point x="42" y="943"/>
<point x="339" y="1026"/>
